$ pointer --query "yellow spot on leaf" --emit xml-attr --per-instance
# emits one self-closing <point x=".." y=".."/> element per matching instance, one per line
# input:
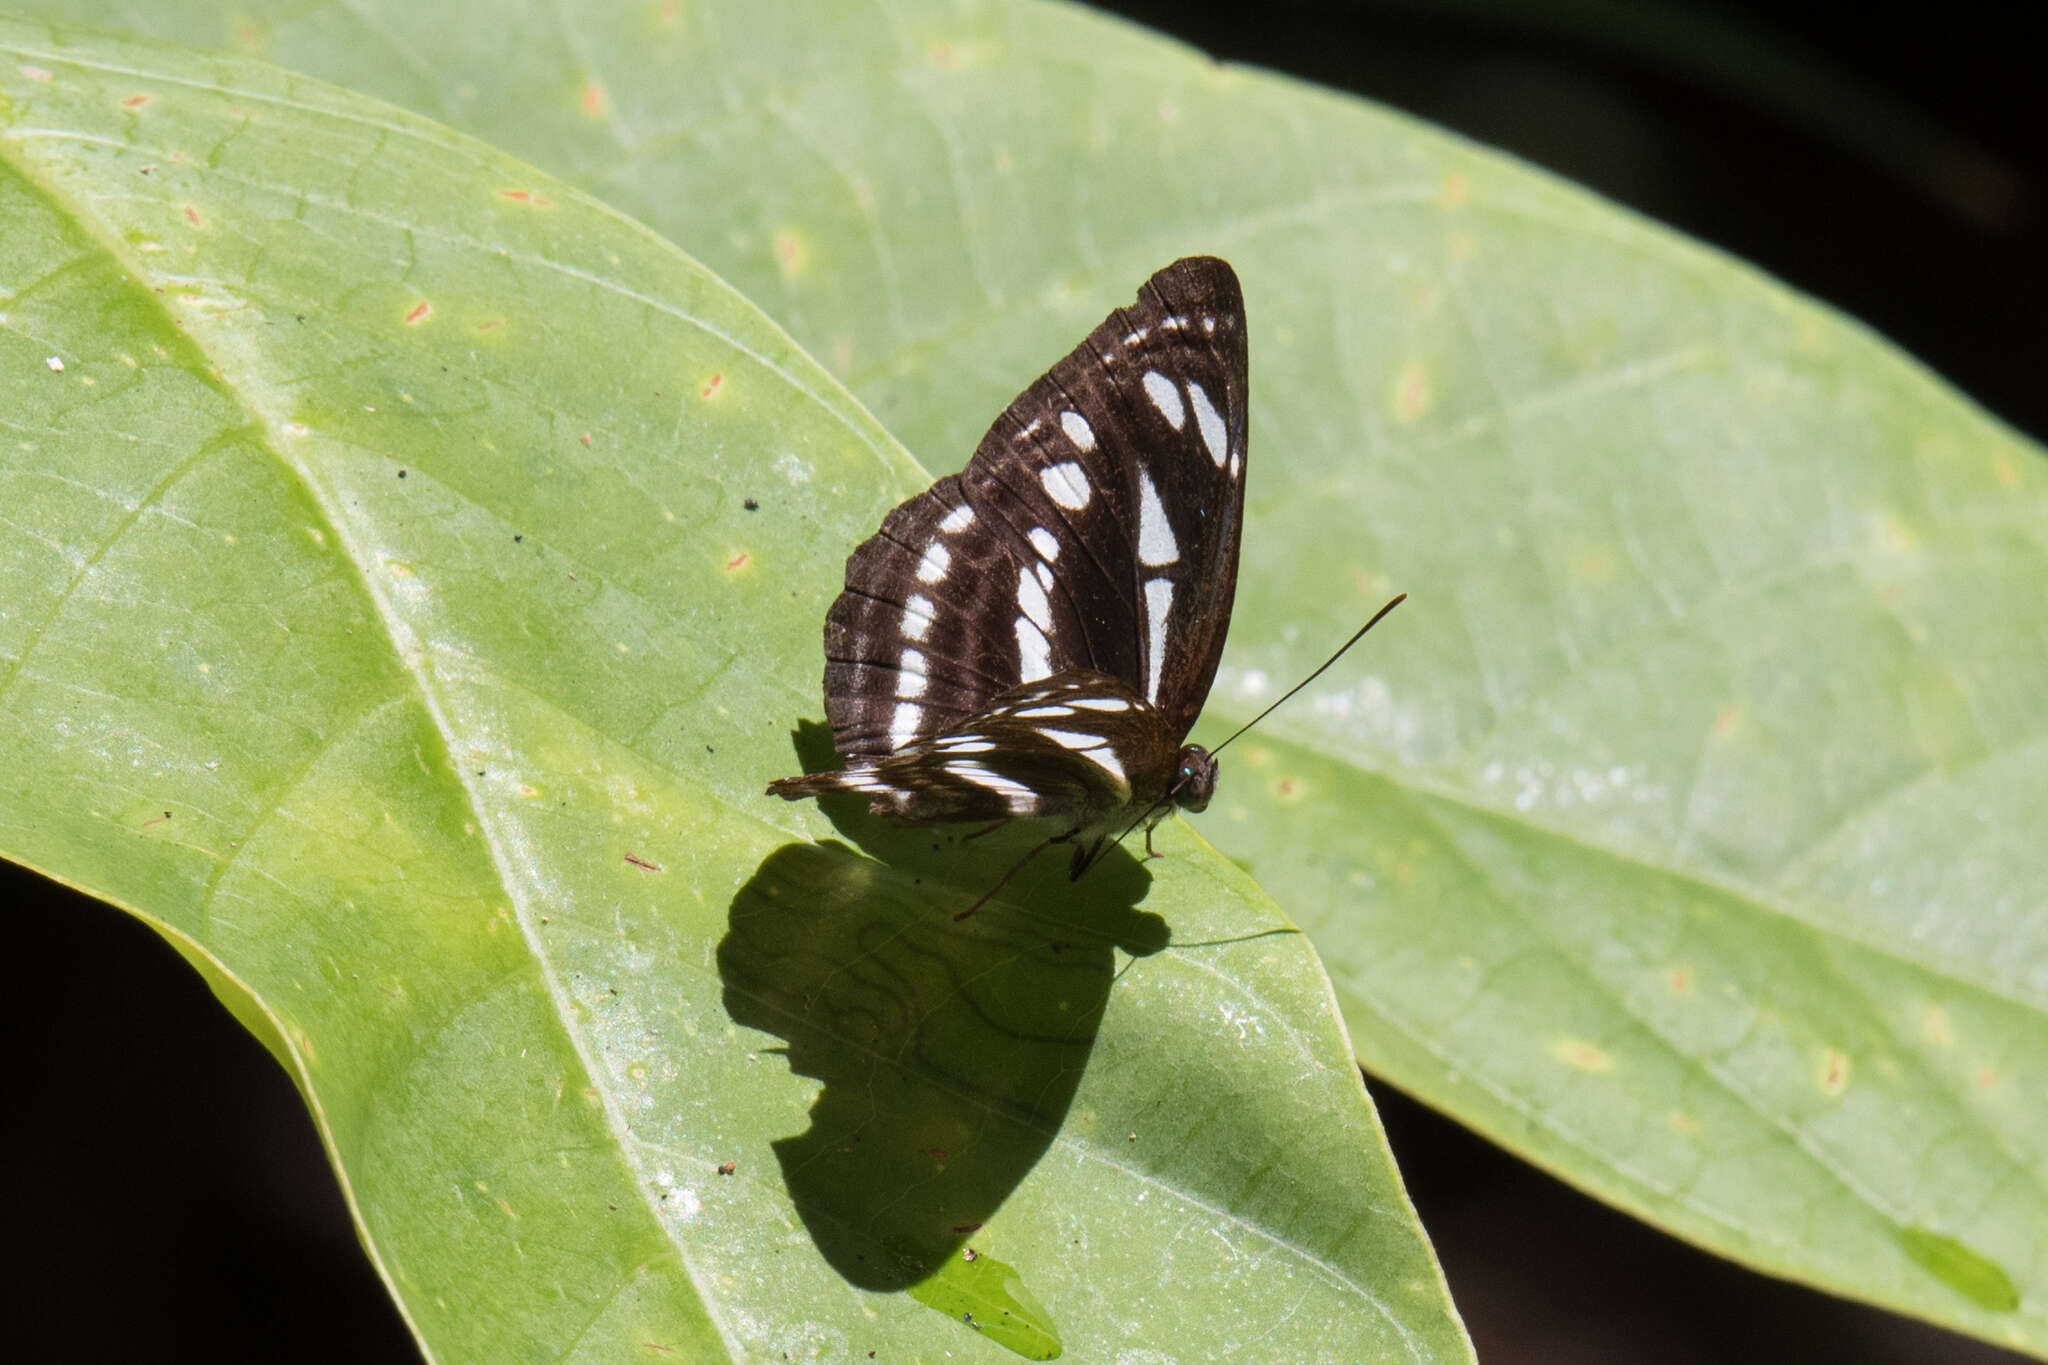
<point x="1727" y="720"/>
<point x="1411" y="396"/>
<point x="792" y="253"/>
<point x="1934" y="1026"/>
<point x="2005" y="469"/>
<point x="419" y="313"/>
<point x="592" y="101"/>
<point x="1682" y="1122"/>
<point x="1287" y="790"/>
<point x="711" y="386"/>
<point x="1452" y="189"/>
<point x="1595" y="565"/>
<point x="1582" y="1055"/>
<point x="1893" y="535"/>
<point x="1681" y="981"/>
<point x="1834" y="1072"/>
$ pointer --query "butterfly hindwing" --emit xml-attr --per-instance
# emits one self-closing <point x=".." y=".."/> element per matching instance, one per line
<point x="1095" y="529"/>
<point x="1076" y="746"/>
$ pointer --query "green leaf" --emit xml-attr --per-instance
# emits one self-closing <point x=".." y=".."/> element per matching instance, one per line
<point x="387" y="623"/>
<point x="1679" y="833"/>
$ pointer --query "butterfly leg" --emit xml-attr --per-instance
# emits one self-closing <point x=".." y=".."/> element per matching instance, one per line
<point x="1004" y="881"/>
<point x="1150" y="825"/>
<point x="1084" y="854"/>
<point x="989" y="828"/>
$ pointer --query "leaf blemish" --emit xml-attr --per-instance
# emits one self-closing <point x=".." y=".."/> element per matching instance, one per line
<point x="1411" y="395"/>
<point x="1681" y="981"/>
<point x="1582" y="1055"/>
<point x="1934" y="1026"/>
<point x="539" y="201"/>
<point x="792" y="253"/>
<point x="712" y="386"/>
<point x="34" y="73"/>
<point x="493" y="325"/>
<point x="592" y="101"/>
<point x="421" y="311"/>
<point x="1834" y="1072"/>
<point x="135" y="101"/>
<point x="738" y="561"/>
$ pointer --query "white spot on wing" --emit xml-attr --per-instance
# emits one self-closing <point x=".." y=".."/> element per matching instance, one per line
<point x="1044" y="576"/>
<point x="903" y="728"/>
<point x="910" y="674"/>
<point x="1046" y="543"/>
<point x="1021" y="799"/>
<point x="1156" y="545"/>
<point x="1158" y="607"/>
<point x="1032" y="601"/>
<point x="1105" y="758"/>
<point x="959" y="519"/>
<point x="1236" y="463"/>
<point x="1034" y="655"/>
<point x="1078" y="431"/>
<point x="1066" y="484"/>
<point x="1094" y="748"/>
<point x="1166" y="397"/>
<point x="966" y="744"/>
<point x="1045" y="712"/>
<point x="917" y="616"/>
<point x="1207" y="418"/>
<point x="933" y="566"/>
<point x="1098" y="703"/>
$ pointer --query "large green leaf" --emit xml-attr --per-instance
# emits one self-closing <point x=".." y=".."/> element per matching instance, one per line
<point x="1678" y="832"/>
<point x="389" y="620"/>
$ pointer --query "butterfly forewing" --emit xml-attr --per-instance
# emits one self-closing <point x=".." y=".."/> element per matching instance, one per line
<point x="1095" y="529"/>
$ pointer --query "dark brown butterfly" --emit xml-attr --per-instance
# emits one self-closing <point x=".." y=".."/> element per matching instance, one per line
<point x="1034" y="637"/>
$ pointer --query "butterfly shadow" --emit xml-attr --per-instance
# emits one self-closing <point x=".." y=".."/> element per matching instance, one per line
<point x="949" y="1051"/>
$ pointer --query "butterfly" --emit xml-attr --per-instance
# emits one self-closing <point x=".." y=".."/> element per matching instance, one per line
<point x="1033" y="637"/>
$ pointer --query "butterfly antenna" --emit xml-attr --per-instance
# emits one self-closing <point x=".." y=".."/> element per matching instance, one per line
<point x="1341" y="650"/>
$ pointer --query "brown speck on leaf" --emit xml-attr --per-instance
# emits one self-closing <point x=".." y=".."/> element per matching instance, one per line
<point x="517" y="539"/>
<point x="937" y="1152"/>
<point x="737" y="561"/>
<point x="421" y="311"/>
<point x="712" y="385"/>
<point x="969" y="1254"/>
<point x="585" y="438"/>
<point x="1134" y="1137"/>
<point x="192" y="216"/>
<point x="156" y="820"/>
<point x="135" y="101"/>
<point x="593" y="100"/>
<point x="751" y="505"/>
<point x="493" y="325"/>
<point x="966" y="1229"/>
<point x="641" y="863"/>
<point x="401" y="473"/>
<point x="728" y="1167"/>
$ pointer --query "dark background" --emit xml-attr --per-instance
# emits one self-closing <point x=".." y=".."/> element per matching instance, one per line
<point x="163" y="1188"/>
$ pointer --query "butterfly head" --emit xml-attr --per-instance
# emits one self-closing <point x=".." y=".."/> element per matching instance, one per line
<point x="1194" y="779"/>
